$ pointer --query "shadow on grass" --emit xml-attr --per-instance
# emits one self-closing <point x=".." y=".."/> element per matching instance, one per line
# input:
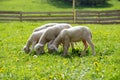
<point x="66" y="4"/>
<point x="76" y="53"/>
<point x="105" y="5"/>
<point x="60" y="3"/>
<point x="71" y="54"/>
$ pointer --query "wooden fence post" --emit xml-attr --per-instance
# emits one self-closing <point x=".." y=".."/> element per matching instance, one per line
<point x="20" y="16"/>
<point x="74" y="12"/>
<point x="74" y="16"/>
<point x="98" y="21"/>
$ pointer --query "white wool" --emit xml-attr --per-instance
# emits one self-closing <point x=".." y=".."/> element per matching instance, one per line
<point x="49" y="35"/>
<point x="74" y="34"/>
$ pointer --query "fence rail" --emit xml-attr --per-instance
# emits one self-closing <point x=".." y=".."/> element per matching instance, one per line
<point x="82" y="17"/>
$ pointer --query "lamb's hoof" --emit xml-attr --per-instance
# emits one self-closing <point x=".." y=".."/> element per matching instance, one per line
<point x="64" y="55"/>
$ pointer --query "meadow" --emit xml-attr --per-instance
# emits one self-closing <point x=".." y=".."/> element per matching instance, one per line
<point x="17" y="65"/>
<point x="51" y="5"/>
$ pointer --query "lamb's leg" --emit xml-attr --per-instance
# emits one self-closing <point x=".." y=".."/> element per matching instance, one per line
<point x="65" y="48"/>
<point x="48" y="44"/>
<point x="33" y="45"/>
<point x="92" y="46"/>
<point x="85" y="47"/>
<point x="65" y="51"/>
<point x="72" y="46"/>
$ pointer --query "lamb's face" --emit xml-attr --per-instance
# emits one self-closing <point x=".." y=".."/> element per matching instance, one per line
<point x="39" y="48"/>
<point x="52" y="48"/>
<point x="26" y="50"/>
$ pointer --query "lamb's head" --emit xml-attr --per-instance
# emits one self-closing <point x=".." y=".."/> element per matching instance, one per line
<point x="39" y="48"/>
<point x="26" y="49"/>
<point x="52" y="48"/>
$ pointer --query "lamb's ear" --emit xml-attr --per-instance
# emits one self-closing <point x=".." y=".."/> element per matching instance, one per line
<point x="56" y="48"/>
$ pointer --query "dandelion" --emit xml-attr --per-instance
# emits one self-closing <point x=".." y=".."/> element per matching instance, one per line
<point x="96" y="63"/>
<point x="97" y="70"/>
<point x="35" y="68"/>
<point x="2" y="70"/>
<point x="94" y="32"/>
<point x="107" y="33"/>
<point x="65" y="62"/>
<point x="51" y="77"/>
<point x="17" y="59"/>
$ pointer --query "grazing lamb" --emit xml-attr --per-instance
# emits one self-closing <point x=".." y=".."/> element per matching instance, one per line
<point x="44" y="26"/>
<point x="73" y="34"/>
<point x="49" y="35"/>
<point x="33" y="39"/>
<point x="35" y="36"/>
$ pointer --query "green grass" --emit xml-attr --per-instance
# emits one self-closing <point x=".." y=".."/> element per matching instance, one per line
<point x="54" y="5"/>
<point x="16" y="65"/>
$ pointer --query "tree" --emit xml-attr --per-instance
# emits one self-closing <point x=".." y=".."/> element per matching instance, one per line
<point x="88" y="2"/>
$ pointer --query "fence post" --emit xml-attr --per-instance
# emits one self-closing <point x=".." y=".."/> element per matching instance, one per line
<point x="74" y="16"/>
<point x="98" y="21"/>
<point x="20" y="16"/>
<point x="74" y="12"/>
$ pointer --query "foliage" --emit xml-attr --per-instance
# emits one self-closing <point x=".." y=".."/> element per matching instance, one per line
<point x="93" y="2"/>
<point x="88" y="2"/>
<point x="16" y="65"/>
<point x="52" y="5"/>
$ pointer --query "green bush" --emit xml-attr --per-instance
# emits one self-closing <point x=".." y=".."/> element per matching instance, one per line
<point x="92" y="2"/>
<point x="89" y="2"/>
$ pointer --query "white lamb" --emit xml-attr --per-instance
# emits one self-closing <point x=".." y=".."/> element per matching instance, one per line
<point x="73" y="34"/>
<point x="49" y="35"/>
<point x="35" y="36"/>
<point x="33" y="40"/>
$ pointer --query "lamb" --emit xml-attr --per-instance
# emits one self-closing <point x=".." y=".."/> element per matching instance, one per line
<point x="73" y="34"/>
<point x="44" y="26"/>
<point x="33" y="39"/>
<point x="49" y="35"/>
<point x="35" y="36"/>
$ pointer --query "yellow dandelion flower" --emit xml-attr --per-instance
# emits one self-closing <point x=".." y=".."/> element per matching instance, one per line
<point x="97" y="70"/>
<point x="35" y="68"/>
<point x="96" y="63"/>
<point x="65" y="63"/>
<point x="51" y="77"/>
<point x="107" y="33"/>
<point x="94" y="32"/>
<point x="2" y="70"/>
<point x="17" y="59"/>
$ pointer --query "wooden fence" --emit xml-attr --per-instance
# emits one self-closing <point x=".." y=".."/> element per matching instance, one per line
<point x="81" y="17"/>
